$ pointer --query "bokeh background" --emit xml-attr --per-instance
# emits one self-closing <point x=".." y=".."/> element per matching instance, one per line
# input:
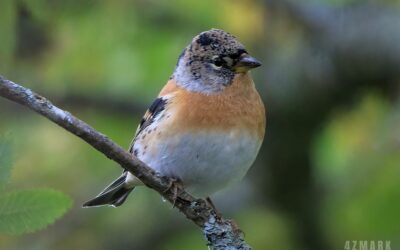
<point x="328" y="171"/>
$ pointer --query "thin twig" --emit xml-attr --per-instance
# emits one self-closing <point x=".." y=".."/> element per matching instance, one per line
<point x="220" y="233"/>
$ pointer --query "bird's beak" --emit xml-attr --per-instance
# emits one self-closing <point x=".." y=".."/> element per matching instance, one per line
<point x="246" y="63"/>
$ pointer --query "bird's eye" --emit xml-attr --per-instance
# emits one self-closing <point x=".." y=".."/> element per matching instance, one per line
<point x="218" y="62"/>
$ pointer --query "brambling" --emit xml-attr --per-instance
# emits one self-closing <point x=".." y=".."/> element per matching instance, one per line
<point x="207" y="124"/>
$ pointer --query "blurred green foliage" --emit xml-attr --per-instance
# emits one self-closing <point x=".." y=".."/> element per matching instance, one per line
<point x="27" y="210"/>
<point x="5" y="161"/>
<point x="357" y="159"/>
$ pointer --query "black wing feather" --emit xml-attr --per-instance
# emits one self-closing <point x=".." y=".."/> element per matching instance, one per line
<point x="156" y="107"/>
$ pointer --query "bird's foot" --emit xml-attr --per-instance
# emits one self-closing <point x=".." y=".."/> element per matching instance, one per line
<point x="175" y="185"/>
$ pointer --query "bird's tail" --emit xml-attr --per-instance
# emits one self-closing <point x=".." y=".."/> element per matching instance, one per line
<point x="115" y="194"/>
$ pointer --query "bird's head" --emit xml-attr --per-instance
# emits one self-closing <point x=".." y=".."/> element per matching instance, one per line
<point x="209" y="63"/>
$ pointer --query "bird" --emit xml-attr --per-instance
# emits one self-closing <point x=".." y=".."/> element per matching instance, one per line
<point x="206" y="126"/>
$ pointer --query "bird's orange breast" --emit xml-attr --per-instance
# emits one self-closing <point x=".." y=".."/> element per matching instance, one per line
<point x="239" y="106"/>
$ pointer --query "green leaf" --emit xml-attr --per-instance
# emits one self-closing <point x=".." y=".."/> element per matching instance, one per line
<point x="30" y="210"/>
<point x="5" y="161"/>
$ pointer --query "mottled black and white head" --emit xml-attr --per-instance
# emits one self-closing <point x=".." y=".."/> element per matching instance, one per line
<point x="209" y="63"/>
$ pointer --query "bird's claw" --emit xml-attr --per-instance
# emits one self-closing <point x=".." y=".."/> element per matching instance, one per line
<point x="175" y="185"/>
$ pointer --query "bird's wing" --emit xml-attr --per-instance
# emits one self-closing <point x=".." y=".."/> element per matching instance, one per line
<point x="116" y="193"/>
<point x="154" y="110"/>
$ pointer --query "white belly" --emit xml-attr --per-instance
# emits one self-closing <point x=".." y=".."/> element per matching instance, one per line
<point x="204" y="162"/>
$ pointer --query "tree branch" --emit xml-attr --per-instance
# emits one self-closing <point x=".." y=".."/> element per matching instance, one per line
<point x="220" y="233"/>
